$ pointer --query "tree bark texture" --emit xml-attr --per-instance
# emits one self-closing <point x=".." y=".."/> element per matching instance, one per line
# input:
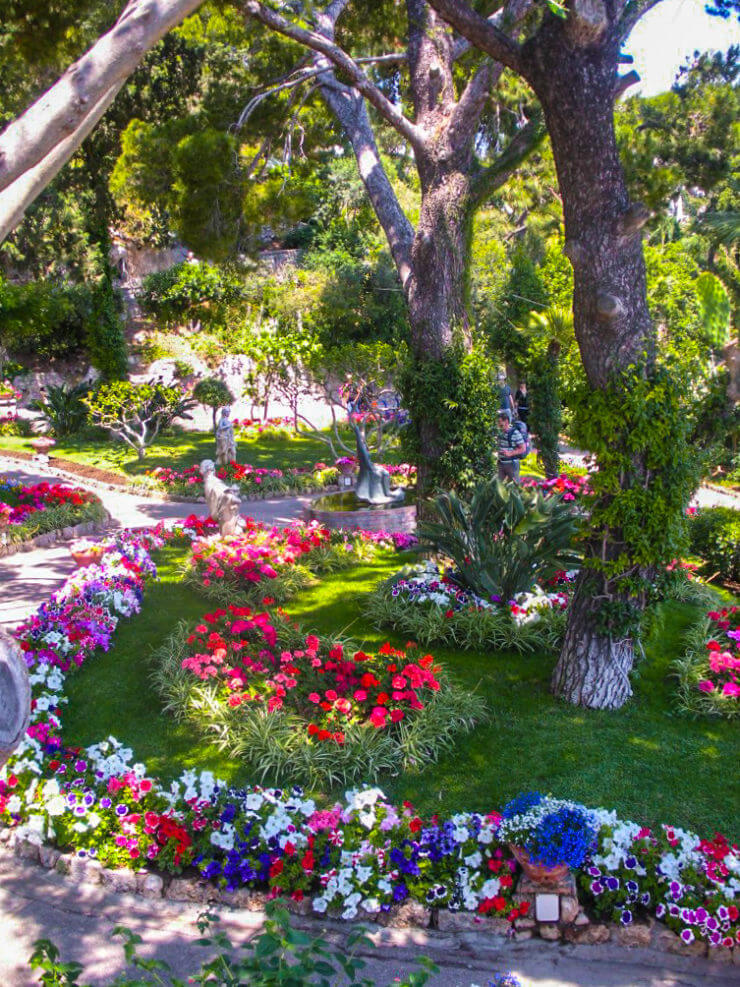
<point x="576" y="81"/>
<point x="571" y="63"/>
<point x="592" y="670"/>
<point x="576" y="86"/>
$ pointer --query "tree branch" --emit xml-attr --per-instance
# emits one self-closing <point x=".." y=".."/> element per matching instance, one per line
<point x="341" y="60"/>
<point x="633" y="11"/>
<point x="350" y="110"/>
<point x="479" y="31"/>
<point x="18" y="196"/>
<point x="63" y="108"/>
<point x="496" y="174"/>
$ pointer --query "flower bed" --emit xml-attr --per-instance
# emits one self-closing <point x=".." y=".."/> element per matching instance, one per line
<point x="32" y="509"/>
<point x="281" y="561"/>
<point x="709" y="671"/>
<point x="295" y="706"/>
<point x="425" y="603"/>
<point x="255" y="481"/>
<point x="270" y="429"/>
<point x="357" y="856"/>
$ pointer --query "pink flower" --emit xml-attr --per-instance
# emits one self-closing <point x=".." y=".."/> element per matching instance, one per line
<point x="731" y="689"/>
<point x="314" y="697"/>
<point x="706" y="686"/>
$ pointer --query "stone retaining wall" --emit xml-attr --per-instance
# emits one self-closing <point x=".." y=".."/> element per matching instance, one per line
<point x="377" y="519"/>
<point x="52" y="537"/>
<point x="574" y="926"/>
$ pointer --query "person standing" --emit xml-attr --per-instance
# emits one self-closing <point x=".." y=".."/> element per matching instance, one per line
<point x="505" y="397"/>
<point x="521" y="399"/>
<point x="512" y="447"/>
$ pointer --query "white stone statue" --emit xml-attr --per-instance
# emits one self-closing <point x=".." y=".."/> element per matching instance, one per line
<point x="223" y="500"/>
<point x="15" y="696"/>
<point x="225" y="441"/>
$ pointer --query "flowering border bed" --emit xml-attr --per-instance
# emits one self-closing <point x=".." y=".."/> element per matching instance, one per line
<point x="709" y="671"/>
<point x="275" y="560"/>
<point x="308" y="709"/>
<point x="254" y="481"/>
<point x="423" y="602"/>
<point x="27" y="510"/>
<point x="359" y="856"/>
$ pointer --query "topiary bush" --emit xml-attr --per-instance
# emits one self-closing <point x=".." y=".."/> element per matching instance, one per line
<point x="214" y="394"/>
<point x="715" y="538"/>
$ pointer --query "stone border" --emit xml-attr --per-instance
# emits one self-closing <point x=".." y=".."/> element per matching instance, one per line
<point x="727" y="491"/>
<point x="574" y="926"/>
<point x="50" y="538"/>
<point x="402" y="518"/>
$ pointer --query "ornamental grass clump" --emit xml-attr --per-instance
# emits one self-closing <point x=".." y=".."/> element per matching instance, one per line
<point x="552" y="831"/>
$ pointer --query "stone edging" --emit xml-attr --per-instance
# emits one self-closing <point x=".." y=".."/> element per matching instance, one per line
<point x="574" y="928"/>
<point x="50" y="538"/>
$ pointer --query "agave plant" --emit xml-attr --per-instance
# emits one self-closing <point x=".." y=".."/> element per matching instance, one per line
<point x="504" y="539"/>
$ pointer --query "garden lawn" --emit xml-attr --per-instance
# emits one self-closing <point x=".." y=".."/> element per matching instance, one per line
<point x="645" y="761"/>
<point x="181" y="450"/>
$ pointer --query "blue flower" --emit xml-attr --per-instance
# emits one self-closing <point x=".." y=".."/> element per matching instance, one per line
<point x="521" y="804"/>
<point x="626" y="917"/>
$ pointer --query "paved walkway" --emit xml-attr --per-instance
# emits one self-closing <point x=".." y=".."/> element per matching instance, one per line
<point x="80" y="919"/>
<point x="27" y="578"/>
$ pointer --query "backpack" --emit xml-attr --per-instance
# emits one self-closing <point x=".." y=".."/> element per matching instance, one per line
<point x="524" y="432"/>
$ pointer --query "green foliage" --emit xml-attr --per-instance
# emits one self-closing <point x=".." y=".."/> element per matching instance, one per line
<point x="104" y="339"/>
<point x="504" y="539"/>
<point x="136" y="413"/>
<point x="455" y="398"/>
<point x="280" y="956"/>
<point x="715" y="538"/>
<point x="715" y="309"/>
<point x="639" y="430"/>
<point x="63" y="409"/>
<point x="49" y="319"/>
<point x="44" y="319"/>
<point x="188" y="291"/>
<point x="212" y="393"/>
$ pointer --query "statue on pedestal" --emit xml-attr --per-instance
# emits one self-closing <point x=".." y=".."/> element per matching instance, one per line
<point x="223" y="500"/>
<point x="15" y="696"/>
<point x="225" y="441"/>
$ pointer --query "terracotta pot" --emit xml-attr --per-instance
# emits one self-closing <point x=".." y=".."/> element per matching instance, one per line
<point x="42" y="444"/>
<point x="538" y="872"/>
<point x="84" y="555"/>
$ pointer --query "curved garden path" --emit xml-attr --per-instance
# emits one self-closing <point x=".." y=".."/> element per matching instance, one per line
<point x="28" y="578"/>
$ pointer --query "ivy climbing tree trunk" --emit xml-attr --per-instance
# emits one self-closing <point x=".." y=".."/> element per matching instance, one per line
<point x="573" y="69"/>
<point x="571" y="61"/>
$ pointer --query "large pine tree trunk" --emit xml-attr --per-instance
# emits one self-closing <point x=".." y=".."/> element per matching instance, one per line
<point x="575" y="80"/>
<point x="436" y="293"/>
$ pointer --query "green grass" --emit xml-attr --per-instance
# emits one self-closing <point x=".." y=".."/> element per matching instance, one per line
<point x="643" y="760"/>
<point x="179" y="451"/>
